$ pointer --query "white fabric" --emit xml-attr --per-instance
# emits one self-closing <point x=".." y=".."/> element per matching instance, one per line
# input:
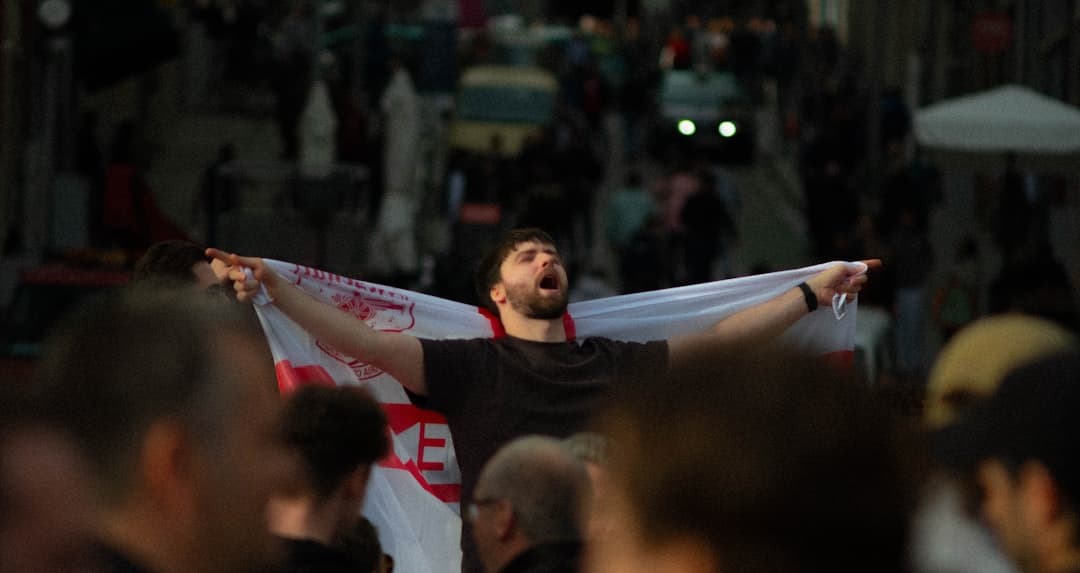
<point x="413" y="495"/>
<point x="1006" y="119"/>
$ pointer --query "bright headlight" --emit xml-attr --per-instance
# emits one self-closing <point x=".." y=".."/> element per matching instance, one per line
<point x="687" y="127"/>
<point x="727" y="128"/>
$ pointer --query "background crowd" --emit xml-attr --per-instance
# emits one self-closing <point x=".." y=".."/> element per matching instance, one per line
<point x="153" y="438"/>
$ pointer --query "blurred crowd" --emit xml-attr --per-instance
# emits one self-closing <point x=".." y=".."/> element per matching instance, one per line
<point x="152" y="438"/>
<point x="630" y="209"/>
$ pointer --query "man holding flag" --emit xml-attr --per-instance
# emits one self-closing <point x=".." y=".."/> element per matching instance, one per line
<point x="536" y="379"/>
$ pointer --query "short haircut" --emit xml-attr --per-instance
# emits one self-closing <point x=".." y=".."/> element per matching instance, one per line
<point x="770" y="459"/>
<point x="169" y="261"/>
<point x="133" y="357"/>
<point x="488" y="271"/>
<point x="589" y="447"/>
<point x="543" y="482"/>
<point x="335" y="430"/>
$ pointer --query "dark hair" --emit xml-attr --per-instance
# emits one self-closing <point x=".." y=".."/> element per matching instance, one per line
<point x="487" y="272"/>
<point x="767" y="458"/>
<point x="169" y="261"/>
<point x="132" y="357"/>
<point x="335" y="430"/>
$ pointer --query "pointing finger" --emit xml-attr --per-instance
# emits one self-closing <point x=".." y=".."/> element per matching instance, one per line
<point x="234" y="260"/>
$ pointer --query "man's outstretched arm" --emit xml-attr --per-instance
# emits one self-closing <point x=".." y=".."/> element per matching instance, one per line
<point x="398" y="354"/>
<point x="766" y="321"/>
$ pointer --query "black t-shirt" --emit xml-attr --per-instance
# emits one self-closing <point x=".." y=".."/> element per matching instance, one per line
<point x="493" y="390"/>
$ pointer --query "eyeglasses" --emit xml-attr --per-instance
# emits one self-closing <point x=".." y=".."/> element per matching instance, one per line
<point x="472" y="510"/>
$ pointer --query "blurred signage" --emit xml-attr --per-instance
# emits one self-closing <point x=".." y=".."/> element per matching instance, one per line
<point x="991" y="32"/>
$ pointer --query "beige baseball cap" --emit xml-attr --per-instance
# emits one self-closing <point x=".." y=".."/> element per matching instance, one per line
<point x="972" y="365"/>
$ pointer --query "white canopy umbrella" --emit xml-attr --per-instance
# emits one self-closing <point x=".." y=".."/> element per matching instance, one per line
<point x="974" y="130"/>
<point x="1008" y="119"/>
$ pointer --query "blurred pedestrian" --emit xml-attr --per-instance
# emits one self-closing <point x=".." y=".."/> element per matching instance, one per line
<point x="131" y="218"/>
<point x="753" y="460"/>
<point x="707" y="226"/>
<point x="338" y="433"/>
<point x="957" y="302"/>
<point x="178" y="263"/>
<point x="946" y="533"/>
<point x="395" y="240"/>
<point x="169" y="397"/>
<point x="525" y="512"/>
<point x="46" y="504"/>
<point x="219" y="192"/>
<point x="911" y="258"/>
<point x="291" y="76"/>
<point x="1022" y="443"/>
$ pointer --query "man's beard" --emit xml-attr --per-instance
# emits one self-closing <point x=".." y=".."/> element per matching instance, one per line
<point x="531" y="304"/>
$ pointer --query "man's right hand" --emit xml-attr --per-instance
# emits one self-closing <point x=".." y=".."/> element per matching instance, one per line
<point x="247" y="286"/>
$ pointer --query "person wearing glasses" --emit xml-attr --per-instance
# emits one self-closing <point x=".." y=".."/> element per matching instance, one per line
<point x="525" y="511"/>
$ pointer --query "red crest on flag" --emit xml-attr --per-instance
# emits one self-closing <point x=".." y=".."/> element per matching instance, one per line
<point x="383" y="310"/>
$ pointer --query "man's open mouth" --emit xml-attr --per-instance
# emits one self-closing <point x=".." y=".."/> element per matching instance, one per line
<point x="549" y="282"/>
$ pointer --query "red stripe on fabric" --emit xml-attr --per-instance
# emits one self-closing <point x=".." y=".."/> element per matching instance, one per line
<point x="291" y="378"/>
<point x="401" y="417"/>
<point x="497" y="330"/>
<point x="569" y="327"/>
<point x="445" y="492"/>
<point x="840" y="359"/>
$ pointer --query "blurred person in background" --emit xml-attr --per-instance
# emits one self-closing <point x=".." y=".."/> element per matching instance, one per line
<point x="957" y="302"/>
<point x="753" y="461"/>
<point x="1037" y="285"/>
<point x="525" y="513"/>
<point x="338" y="433"/>
<point x="395" y="230"/>
<point x="1023" y="443"/>
<point x="168" y="397"/>
<point x="179" y="262"/>
<point x="946" y="534"/>
<point x="627" y="212"/>
<point x="910" y="259"/>
<point x="46" y="506"/>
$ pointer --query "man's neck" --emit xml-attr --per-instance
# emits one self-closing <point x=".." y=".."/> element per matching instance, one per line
<point x="534" y="329"/>
<point x="302" y="517"/>
<point x="506" y="553"/>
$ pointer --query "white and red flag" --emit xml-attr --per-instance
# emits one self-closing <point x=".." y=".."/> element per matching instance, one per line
<point x="413" y="495"/>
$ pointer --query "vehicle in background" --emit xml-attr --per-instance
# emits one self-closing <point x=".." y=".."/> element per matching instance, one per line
<point x="42" y="296"/>
<point x="502" y="103"/>
<point x="707" y="112"/>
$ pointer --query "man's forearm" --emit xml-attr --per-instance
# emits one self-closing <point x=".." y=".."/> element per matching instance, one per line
<point x="762" y="322"/>
<point x="325" y="322"/>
